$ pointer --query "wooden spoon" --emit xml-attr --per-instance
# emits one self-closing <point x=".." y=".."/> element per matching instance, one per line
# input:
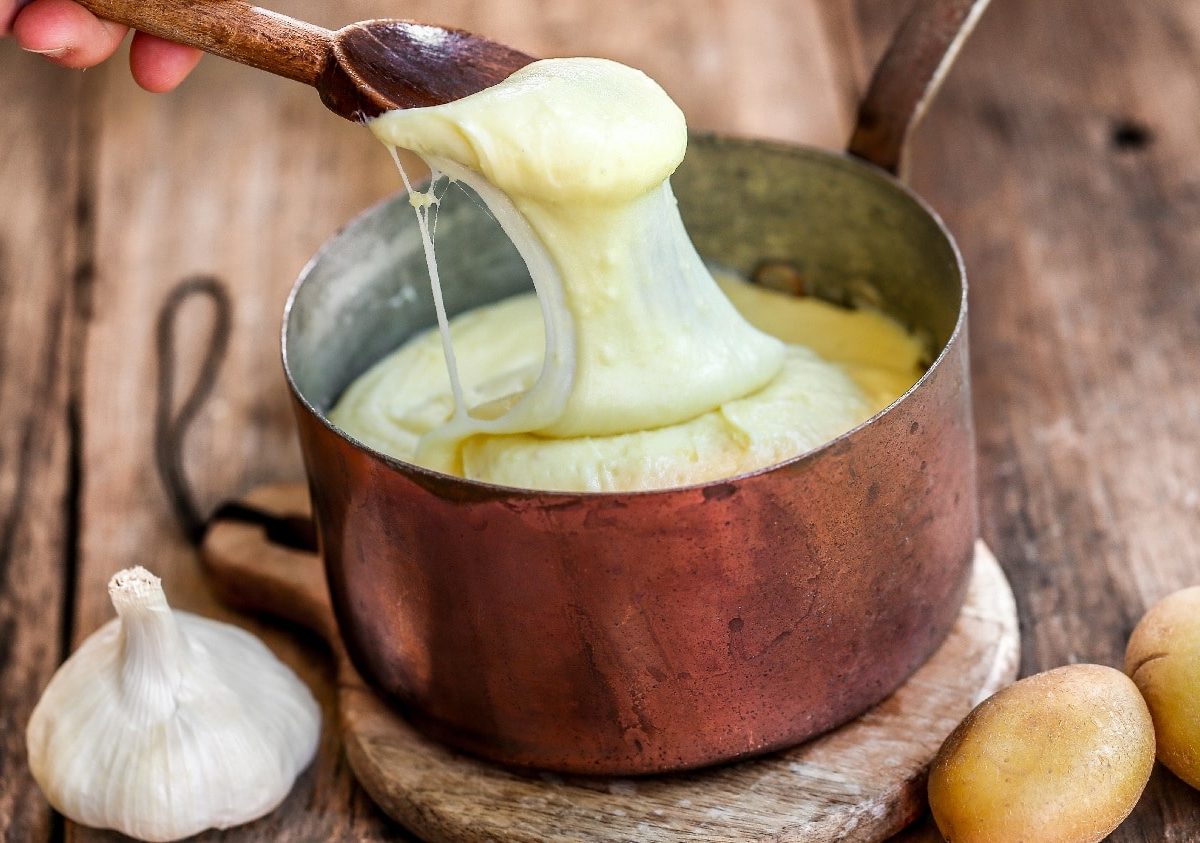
<point x="360" y="70"/>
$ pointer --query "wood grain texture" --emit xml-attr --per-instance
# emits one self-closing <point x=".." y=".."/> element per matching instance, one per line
<point x="863" y="781"/>
<point x="1062" y="150"/>
<point x="236" y="30"/>
<point x="1067" y="162"/>
<point x="41" y="273"/>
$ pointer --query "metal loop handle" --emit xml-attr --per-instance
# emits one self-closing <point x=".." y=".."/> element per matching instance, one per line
<point x="907" y="78"/>
<point x="171" y="430"/>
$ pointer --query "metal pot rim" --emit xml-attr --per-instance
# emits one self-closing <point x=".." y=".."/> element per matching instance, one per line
<point x="844" y="160"/>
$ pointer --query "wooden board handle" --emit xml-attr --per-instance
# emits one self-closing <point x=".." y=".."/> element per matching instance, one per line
<point x="232" y="29"/>
<point x="252" y="572"/>
<point x="908" y="76"/>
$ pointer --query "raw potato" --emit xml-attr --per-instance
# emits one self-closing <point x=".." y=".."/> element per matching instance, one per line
<point x="1060" y="757"/>
<point x="1164" y="660"/>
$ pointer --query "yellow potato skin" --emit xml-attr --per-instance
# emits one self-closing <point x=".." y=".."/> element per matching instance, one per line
<point x="1163" y="658"/>
<point x="1060" y="757"/>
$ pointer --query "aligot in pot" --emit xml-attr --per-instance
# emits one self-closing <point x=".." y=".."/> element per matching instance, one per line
<point x="652" y="631"/>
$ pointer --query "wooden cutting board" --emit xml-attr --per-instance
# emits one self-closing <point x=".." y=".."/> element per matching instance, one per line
<point x="863" y="781"/>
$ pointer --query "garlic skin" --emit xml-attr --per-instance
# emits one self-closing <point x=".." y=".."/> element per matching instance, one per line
<point x="163" y="724"/>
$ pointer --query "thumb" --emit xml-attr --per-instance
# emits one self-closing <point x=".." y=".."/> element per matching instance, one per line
<point x="66" y="33"/>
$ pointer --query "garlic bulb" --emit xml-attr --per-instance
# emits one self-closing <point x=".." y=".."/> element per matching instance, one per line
<point x="163" y="724"/>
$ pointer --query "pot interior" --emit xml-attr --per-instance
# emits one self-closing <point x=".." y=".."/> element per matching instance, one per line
<point x="850" y="231"/>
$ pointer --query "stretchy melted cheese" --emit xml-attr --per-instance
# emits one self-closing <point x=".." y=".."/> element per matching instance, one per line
<point x="631" y="369"/>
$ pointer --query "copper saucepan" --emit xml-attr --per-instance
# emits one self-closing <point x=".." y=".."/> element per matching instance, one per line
<point x="654" y="631"/>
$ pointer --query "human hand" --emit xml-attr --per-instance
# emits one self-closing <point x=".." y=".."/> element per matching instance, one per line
<point x="71" y="36"/>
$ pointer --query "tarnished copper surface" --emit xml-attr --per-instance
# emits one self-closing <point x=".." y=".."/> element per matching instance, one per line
<point x="638" y="633"/>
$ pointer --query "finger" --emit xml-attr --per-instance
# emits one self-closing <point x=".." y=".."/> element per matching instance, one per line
<point x="158" y="65"/>
<point x="66" y="34"/>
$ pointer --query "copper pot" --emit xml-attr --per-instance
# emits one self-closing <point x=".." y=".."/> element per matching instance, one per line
<point x="653" y="631"/>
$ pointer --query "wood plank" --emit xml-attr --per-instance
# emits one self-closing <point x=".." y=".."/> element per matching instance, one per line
<point x="1065" y="160"/>
<point x="40" y="273"/>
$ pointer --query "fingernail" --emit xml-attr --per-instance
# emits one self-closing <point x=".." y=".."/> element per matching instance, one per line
<point x="54" y="52"/>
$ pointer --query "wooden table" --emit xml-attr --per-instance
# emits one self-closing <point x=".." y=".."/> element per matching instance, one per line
<point x="1063" y="152"/>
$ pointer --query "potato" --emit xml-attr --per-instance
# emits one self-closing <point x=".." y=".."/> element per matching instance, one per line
<point x="1060" y="757"/>
<point x="1163" y="658"/>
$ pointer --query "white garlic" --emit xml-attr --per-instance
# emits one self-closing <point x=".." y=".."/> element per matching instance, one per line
<point x="163" y="724"/>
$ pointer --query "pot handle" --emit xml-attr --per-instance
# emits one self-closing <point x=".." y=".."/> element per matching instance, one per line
<point x="908" y="76"/>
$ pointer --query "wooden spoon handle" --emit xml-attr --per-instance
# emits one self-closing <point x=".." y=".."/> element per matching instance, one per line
<point x="908" y="76"/>
<point x="232" y="29"/>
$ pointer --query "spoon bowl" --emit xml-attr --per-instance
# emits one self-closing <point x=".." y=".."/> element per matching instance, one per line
<point x="382" y="65"/>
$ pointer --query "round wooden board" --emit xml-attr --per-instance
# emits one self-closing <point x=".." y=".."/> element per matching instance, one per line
<point x="863" y="781"/>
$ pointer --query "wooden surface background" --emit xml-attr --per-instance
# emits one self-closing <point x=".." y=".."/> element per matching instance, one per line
<point x="1064" y="152"/>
